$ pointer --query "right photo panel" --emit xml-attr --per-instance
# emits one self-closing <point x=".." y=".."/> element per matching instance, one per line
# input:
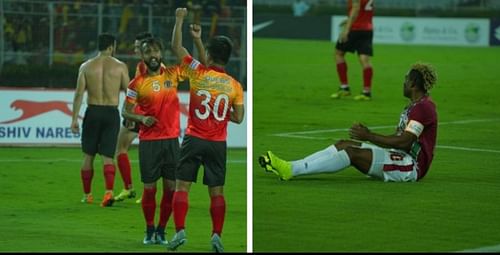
<point x="374" y="126"/>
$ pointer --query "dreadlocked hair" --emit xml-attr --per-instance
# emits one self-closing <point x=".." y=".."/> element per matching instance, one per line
<point x="426" y="76"/>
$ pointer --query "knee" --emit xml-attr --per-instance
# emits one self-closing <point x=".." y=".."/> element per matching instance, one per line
<point x="216" y="191"/>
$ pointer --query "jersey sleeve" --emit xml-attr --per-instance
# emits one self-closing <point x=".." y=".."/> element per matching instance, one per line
<point x="238" y="99"/>
<point x="418" y="118"/>
<point x="131" y="96"/>
<point x="191" y="66"/>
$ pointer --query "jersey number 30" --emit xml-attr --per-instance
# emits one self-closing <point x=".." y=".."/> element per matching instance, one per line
<point x="204" y="114"/>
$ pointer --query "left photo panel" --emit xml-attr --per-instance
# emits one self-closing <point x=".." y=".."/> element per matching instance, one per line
<point x="123" y="126"/>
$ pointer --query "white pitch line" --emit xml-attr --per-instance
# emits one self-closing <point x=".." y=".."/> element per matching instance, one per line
<point x="466" y="149"/>
<point x="494" y="248"/>
<point x="303" y="134"/>
<point x="299" y="133"/>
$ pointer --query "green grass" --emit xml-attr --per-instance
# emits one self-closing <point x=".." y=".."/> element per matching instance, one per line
<point x="455" y="207"/>
<point x="41" y="210"/>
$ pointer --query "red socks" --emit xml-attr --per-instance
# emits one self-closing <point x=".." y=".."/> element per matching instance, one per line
<point x="217" y="211"/>
<point x="165" y="207"/>
<point x="149" y="206"/>
<point x="180" y="207"/>
<point x="86" y="176"/>
<point x="109" y="176"/>
<point x="124" y="167"/>
<point x="367" y="79"/>
<point x="342" y="72"/>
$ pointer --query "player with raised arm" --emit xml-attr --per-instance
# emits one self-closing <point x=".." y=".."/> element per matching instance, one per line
<point x="155" y="92"/>
<point x="215" y="99"/>
<point x="356" y="35"/>
<point x="404" y="156"/>
<point x="102" y="77"/>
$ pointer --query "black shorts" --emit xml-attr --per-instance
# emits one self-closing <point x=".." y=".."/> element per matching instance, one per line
<point x="100" y="127"/>
<point x="134" y="125"/>
<point x="196" y="152"/>
<point x="158" y="158"/>
<point x="360" y="41"/>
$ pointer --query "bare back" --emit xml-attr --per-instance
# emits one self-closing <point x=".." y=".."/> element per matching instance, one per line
<point x="104" y="77"/>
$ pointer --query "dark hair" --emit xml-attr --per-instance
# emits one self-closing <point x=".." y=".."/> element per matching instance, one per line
<point x="105" y="40"/>
<point x="143" y="35"/>
<point x="219" y="48"/>
<point x="423" y="75"/>
<point x="150" y="42"/>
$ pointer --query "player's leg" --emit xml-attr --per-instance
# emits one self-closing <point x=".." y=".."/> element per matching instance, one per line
<point x="217" y="212"/>
<point x="180" y="205"/>
<point x="341" y="66"/>
<point x="185" y="174"/>
<point x="148" y="205"/>
<point x="366" y="65"/>
<point x="109" y="179"/>
<point x="365" y="52"/>
<point x="391" y="165"/>
<point x="332" y="159"/>
<point x="171" y="160"/>
<point x="165" y="210"/>
<point x="125" y="139"/>
<point x="150" y="158"/>
<point x="110" y="119"/>
<point x="214" y="162"/>
<point x="86" y="173"/>
<point x="89" y="148"/>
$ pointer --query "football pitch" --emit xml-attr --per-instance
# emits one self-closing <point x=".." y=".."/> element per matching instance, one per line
<point x="456" y="207"/>
<point x="41" y="209"/>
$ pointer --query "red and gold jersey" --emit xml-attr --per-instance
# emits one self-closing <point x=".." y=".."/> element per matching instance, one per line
<point x="212" y="95"/>
<point x="364" y="19"/>
<point x="157" y="96"/>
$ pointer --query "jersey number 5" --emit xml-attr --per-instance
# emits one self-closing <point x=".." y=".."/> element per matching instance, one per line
<point x="204" y="114"/>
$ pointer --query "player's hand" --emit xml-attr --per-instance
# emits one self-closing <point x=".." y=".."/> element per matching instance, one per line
<point x="75" y="127"/>
<point x="359" y="132"/>
<point x="343" y="36"/>
<point x="195" y="30"/>
<point x="181" y="13"/>
<point x="130" y="124"/>
<point x="149" y="121"/>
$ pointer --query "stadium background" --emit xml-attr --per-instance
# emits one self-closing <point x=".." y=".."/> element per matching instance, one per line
<point x="42" y="44"/>
<point x="50" y="39"/>
<point x="294" y="73"/>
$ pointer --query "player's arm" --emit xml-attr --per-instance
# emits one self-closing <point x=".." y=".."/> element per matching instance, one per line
<point x="237" y="113"/>
<point x="129" y="106"/>
<point x="196" y="34"/>
<point x="125" y="79"/>
<point x="348" y="24"/>
<point x="128" y="113"/>
<point x="403" y="141"/>
<point x="81" y="85"/>
<point x="238" y="108"/>
<point x="179" y="51"/>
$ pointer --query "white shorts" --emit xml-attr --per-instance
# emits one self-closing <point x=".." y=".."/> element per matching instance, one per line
<point x="391" y="164"/>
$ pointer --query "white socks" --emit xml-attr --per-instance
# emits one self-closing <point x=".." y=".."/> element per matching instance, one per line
<point x="327" y="160"/>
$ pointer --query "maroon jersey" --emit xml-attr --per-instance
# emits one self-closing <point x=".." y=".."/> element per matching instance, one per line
<point x="365" y="15"/>
<point x="420" y="118"/>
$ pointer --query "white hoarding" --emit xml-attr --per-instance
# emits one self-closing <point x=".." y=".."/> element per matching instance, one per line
<point x="43" y="117"/>
<point x="430" y="31"/>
